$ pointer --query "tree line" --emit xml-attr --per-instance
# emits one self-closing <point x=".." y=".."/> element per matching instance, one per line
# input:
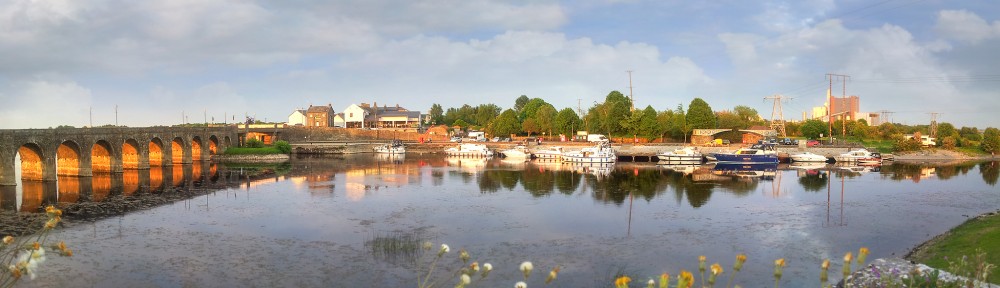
<point x="614" y="117"/>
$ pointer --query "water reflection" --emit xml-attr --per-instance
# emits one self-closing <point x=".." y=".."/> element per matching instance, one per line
<point x="31" y="196"/>
<point x="554" y="212"/>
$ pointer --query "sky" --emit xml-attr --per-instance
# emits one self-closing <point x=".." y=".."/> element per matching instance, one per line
<point x="145" y="63"/>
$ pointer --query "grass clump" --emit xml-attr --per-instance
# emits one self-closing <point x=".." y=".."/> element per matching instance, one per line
<point x="982" y="233"/>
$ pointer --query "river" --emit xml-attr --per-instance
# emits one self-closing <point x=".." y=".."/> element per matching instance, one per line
<point x="359" y="221"/>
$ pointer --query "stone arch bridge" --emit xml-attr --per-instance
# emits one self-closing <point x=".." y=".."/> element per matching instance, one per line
<point x="46" y="153"/>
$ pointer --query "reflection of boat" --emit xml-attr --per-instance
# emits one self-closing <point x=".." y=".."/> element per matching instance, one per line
<point x="855" y="169"/>
<point x="600" y="153"/>
<point x="746" y="170"/>
<point x="394" y="147"/>
<point x="472" y="150"/>
<point x="678" y="156"/>
<point x="597" y="169"/>
<point x="550" y="152"/>
<point x="389" y="157"/>
<point x="807" y="165"/>
<point x="467" y="164"/>
<point x="758" y="153"/>
<point x="518" y="152"/>
<point x="859" y="156"/>
<point x="682" y="168"/>
<point x="808" y="157"/>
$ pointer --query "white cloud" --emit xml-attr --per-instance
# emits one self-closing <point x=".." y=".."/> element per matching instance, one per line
<point x="965" y="26"/>
<point x="43" y="103"/>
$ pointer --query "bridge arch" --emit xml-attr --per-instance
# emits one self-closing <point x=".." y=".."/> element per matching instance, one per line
<point x="213" y="145"/>
<point x="157" y="157"/>
<point x="177" y="150"/>
<point x="101" y="157"/>
<point x="68" y="159"/>
<point x="196" y="150"/>
<point x="32" y="162"/>
<point x="130" y="154"/>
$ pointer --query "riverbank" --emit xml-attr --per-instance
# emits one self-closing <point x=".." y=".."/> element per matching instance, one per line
<point x="252" y="158"/>
<point x="980" y="234"/>
<point x="940" y="155"/>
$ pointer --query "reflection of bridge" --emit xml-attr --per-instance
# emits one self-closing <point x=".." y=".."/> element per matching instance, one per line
<point x="46" y="153"/>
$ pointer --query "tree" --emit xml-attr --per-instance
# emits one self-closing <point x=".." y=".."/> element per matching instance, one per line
<point x="729" y="120"/>
<point x="520" y="102"/>
<point x="747" y="114"/>
<point x="700" y="115"/>
<point x="649" y="128"/>
<point x="630" y="125"/>
<point x="991" y="140"/>
<point x="461" y="123"/>
<point x="678" y="124"/>
<point x="437" y="114"/>
<point x="566" y="122"/>
<point x="813" y="128"/>
<point x="545" y="117"/>
<point x="486" y="113"/>
<point x="530" y="126"/>
<point x="505" y="124"/>
<point x="531" y="108"/>
<point x="886" y="130"/>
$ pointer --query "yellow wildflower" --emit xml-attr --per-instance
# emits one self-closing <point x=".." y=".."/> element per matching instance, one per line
<point x="622" y="281"/>
<point x="35" y="246"/>
<point x="552" y="275"/>
<point x="664" y="280"/>
<point x="740" y="259"/>
<point x="716" y="269"/>
<point x="848" y="257"/>
<point x="685" y="279"/>
<point x="8" y="239"/>
<point x="701" y="263"/>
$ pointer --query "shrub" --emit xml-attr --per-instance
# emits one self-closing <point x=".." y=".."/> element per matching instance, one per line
<point x="283" y="146"/>
<point x="254" y="143"/>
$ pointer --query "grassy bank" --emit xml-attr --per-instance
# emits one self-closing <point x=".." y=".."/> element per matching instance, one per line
<point x="978" y="233"/>
<point x="252" y="151"/>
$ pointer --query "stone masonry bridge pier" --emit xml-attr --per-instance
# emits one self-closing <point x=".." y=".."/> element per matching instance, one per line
<point x="46" y="153"/>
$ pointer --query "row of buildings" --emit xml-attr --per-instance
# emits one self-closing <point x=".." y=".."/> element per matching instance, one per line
<point x="357" y="116"/>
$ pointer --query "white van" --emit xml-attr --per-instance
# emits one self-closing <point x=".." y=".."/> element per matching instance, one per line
<point x="596" y="138"/>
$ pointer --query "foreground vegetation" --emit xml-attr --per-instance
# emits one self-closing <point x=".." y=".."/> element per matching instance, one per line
<point x="436" y="270"/>
<point x="980" y="234"/>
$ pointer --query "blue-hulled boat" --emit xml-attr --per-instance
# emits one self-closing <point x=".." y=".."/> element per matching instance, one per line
<point x="758" y="153"/>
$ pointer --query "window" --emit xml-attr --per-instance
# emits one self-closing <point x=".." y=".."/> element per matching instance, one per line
<point x="352" y="115"/>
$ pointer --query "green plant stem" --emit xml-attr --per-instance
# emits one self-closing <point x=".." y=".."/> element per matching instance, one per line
<point x="731" y="276"/>
<point x="776" y="280"/>
<point x="430" y="271"/>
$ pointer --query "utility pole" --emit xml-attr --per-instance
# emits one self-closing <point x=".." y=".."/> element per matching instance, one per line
<point x="934" y="123"/>
<point x="116" y="114"/>
<point x="631" y="98"/>
<point x="91" y="116"/>
<point x="829" y="98"/>
<point x="777" y="117"/>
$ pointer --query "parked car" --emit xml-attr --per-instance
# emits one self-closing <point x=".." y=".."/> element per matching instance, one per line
<point x="456" y="139"/>
<point x="789" y="141"/>
<point x="495" y="139"/>
<point x="812" y="143"/>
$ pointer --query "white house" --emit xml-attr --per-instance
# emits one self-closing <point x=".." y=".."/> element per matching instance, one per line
<point x="339" y="121"/>
<point x="298" y="117"/>
<point x="354" y="116"/>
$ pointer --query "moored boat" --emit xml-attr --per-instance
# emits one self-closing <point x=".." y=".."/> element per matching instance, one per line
<point x="518" y="152"/>
<point x="859" y="156"/>
<point x="394" y="147"/>
<point x="600" y="153"/>
<point x="759" y="153"/>
<point x="548" y="153"/>
<point x="808" y="157"/>
<point x="469" y="150"/>
<point x="679" y="156"/>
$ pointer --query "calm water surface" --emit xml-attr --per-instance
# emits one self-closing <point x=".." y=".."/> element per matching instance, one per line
<point x="326" y="222"/>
